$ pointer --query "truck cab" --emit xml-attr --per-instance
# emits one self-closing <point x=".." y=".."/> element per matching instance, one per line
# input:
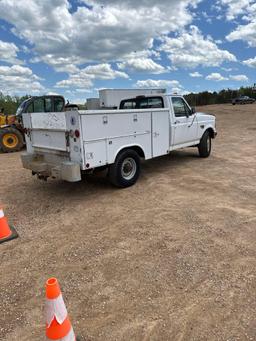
<point x="185" y="122"/>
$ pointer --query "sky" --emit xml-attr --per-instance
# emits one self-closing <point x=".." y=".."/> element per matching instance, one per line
<point x="76" y="47"/>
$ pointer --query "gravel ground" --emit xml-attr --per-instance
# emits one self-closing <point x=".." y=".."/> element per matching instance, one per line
<point x="171" y="258"/>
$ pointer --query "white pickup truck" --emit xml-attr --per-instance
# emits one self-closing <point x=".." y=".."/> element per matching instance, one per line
<point x="64" y="145"/>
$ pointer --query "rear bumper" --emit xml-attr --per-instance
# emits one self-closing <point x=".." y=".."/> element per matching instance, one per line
<point x="66" y="170"/>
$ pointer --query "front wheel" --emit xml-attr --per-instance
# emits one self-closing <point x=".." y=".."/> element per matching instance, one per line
<point x="205" y="145"/>
<point x="126" y="170"/>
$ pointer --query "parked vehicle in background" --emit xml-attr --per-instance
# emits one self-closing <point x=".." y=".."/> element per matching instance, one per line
<point x="243" y="100"/>
<point x="64" y="145"/>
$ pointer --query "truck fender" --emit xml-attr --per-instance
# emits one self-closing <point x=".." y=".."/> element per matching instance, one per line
<point x="211" y="129"/>
<point x="136" y="147"/>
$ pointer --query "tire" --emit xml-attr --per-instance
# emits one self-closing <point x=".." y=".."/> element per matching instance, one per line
<point x="126" y="169"/>
<point x="205" y="145"/>
<point x="11" y="140"/>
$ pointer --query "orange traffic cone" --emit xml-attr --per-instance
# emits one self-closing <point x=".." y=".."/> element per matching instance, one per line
<point x="58" y="325"/>
<point x="6" y="232"/>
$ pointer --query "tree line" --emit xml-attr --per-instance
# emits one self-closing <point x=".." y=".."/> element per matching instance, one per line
<point x="221" y="97"/>
<point x="9" y="104"/>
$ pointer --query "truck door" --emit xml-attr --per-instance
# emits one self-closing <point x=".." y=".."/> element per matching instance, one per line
<point x="160" y="133"/>
<point x="184" y="125"/>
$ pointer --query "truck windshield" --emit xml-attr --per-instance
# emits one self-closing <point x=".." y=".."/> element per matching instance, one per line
<point x="20" y="108"/>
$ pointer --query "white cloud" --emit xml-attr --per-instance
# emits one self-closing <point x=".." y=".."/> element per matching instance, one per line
<point x="191" y="49"/>
<point x="8" y="53"/>
<point x="162" y="83"/>
<point x="83" y="90"/>
<point x="52" y="93"/>
<point x="102" y="33"/>
<point x="75" y="81"/>
<point x="228" y="69"/>
<point x="215" y="76"/>
<point x="179" y="91"/>
<point x="83" y="79"/>
<point x="17" y="79"/>
<point x="247" y="10"/>
<point x="142" y="65"/>
<point x="244" y="32"/>
<point x="173" y="86"/>
<point x="103" y="71"/>
<point x="195" y="74"/>
<point x="235" y="8"/>
<point x="60" y="64"/>
<point x="250" y="62"/>
<point x="239" y="78"/>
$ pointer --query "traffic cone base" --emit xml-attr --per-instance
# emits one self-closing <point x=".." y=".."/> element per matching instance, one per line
<point x="12" y="235"/>
<point x="56" y="331"/>
<point x="6" y="232"/>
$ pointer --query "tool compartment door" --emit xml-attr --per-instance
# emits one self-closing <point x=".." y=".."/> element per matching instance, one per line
<point x="160" y="133"/>
<point x="48" y="131"/>
<point x="95" y="153"/>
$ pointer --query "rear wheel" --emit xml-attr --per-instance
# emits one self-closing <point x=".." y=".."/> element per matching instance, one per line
<point x="205" y="145"/>
<point x="11" y="140"/>
<point x="126" y="170"/>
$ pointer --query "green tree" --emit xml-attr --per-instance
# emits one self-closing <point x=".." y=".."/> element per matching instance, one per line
<point x="10" y="104"/>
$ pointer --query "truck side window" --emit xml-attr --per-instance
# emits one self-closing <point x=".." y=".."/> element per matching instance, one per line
<point x="143" y="103"/>
<point x="155" y="102"/>
<point x="150" y="102"/>
<point x="48" y="104"/>
<point x="130" y="104"/>
<point x="58" y="104"/>
<point x="30" y="108"/>
<point x="39" y="105"/>
<point x="180" y="107"/>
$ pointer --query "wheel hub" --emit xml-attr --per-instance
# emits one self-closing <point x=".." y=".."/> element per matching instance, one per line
<point x="10" y="140"/>
<point x="128" y="168"/>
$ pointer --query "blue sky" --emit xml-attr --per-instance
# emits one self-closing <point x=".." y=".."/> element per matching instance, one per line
<point x="76" y="47"/>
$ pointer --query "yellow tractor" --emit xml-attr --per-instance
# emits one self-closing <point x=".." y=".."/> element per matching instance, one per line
<point x="11" y="133"/>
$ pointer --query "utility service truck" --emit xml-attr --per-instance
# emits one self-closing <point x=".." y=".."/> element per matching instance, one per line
<point x="64" y="145"/>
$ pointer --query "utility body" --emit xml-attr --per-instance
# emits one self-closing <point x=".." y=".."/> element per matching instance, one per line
<point x="64" y="145"/>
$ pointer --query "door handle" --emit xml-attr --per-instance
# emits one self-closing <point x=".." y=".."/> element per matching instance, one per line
<point x="176" y="122"/>
<point x="105" y="119"/>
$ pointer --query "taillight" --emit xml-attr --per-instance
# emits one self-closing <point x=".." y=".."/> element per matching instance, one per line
<point x="77" y="133"/>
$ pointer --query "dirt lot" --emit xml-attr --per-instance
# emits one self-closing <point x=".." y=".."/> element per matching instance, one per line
<point x="172" y="258"/>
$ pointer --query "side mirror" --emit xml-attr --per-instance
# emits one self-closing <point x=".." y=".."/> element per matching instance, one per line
<point x="193" y="110"/>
